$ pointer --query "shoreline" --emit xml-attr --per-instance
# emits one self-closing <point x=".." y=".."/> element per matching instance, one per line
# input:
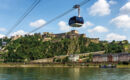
<point x="56" y="65"/>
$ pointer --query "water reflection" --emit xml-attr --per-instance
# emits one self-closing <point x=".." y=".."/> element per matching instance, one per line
<point x="63" y="74"/>
<point x="74" y="73"/>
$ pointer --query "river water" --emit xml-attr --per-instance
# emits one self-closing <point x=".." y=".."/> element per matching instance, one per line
<point x="64" y="74"/>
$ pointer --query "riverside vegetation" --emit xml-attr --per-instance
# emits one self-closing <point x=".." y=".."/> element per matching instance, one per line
<point x="32" y="47"/>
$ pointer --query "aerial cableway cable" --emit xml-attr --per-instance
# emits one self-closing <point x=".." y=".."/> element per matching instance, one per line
<point x="23" y="16"/>
<point x="59" y="16"/>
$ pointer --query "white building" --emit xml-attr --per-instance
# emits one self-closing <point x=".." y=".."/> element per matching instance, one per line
<point x="74" y="57"/>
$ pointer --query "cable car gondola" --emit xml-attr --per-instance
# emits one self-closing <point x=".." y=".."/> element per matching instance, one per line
<point x="76" y="21"/>
<point x="4" y="43"/>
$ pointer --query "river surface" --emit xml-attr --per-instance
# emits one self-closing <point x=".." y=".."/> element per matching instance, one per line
<point x="63" y="74"/>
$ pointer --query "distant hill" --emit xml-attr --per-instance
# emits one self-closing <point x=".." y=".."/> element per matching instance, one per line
<point x="47" y="45"/>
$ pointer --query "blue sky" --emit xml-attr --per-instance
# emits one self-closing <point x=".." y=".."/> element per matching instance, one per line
<point x="104" y="19"/>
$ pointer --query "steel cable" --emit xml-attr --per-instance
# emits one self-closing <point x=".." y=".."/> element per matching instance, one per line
<point x="57" y="17"/>
<point x="23" y="16"/>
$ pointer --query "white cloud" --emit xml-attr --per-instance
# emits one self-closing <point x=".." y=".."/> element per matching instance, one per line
<point x="122" y="21"/>
<point x="87" y="24"/>
<point x="99" y="29"/>
<point x="20" y="32"/>
<point x="125" y="9"/>
<point x="117" y="37"/>
<point x="112" y="2"/>
<point x="2" y="29"/>
<point x="1" y="35"/>
<point x="38" y="23"/>
<point x="101" y="8"/>
<point x="63" y="26"/>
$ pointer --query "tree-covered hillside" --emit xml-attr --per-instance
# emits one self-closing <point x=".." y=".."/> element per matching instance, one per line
<point x="33" y="47"/>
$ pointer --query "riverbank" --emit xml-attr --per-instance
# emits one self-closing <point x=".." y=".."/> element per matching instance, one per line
<point x="57" y="65"/>
<point x="43" y="65"/>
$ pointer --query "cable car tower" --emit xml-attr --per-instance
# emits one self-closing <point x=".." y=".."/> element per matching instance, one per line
<point x="76" y="21"/>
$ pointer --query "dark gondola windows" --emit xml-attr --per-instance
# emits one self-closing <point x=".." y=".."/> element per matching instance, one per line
<point x="76" y="21"/>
